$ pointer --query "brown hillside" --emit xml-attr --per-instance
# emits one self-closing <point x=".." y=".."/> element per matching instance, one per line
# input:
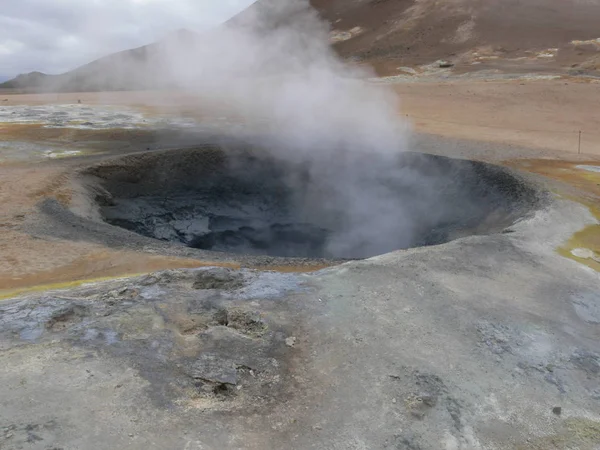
<point x="511" y="35"/>
<point x="394" y="36"/>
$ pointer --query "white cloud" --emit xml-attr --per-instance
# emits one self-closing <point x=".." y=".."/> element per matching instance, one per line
<point x="59" y="35"/>
<point x="10" y="47"/>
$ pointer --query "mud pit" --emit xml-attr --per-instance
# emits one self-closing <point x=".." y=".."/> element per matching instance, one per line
<point x="471" y="344"/>
<point x="245" y="201"/>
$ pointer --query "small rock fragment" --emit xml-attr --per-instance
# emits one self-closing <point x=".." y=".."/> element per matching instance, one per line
<point x="218" y="278"/>
<point x="248" y="322"/>
<point x="550" y="378"/>
<point x="557" y="410"/>
<point x="290" y="341"/>
<point x="417" y="414"/>
<point x="583" y="253"/>
<point x="587" y="361"/>
<point x="408" y="441"/>
<point x="443" y="64"/>
<point x="428" y="399"/>
<point x="215" y="369"/>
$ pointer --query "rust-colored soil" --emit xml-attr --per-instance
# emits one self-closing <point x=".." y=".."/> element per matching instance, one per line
<point x="28" y="261"/>
<point x="39" y="133"/>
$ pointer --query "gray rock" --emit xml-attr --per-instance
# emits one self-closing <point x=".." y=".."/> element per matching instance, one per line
<point x="586" y="361"/>
<point x="553" y="379"/>
<point x="587" y="306"/>
<point x="406" y="441"/>
<point x="218" y="278"/>
<point x="496" y="337"/>
<point x="214" y="368"/>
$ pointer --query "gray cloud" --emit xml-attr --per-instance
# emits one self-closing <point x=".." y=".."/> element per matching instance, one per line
<point x="59" y="35"/>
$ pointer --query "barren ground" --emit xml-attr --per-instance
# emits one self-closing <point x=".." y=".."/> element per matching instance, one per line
<point x="538" y="120"/>
<point x="488" y="341"/>
<point x="544" y="116"/>
<point x="483" y="342"/>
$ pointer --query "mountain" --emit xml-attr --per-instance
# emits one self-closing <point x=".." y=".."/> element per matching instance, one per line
<point x="397" y="36"/>
<point x="138" y="68"/>
<point x="32" y="79"/>
<point x="508" y="35"/>
<point x="394" y="36"/>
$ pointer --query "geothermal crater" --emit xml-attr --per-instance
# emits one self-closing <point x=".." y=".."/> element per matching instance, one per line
<point x="249" y="201"/>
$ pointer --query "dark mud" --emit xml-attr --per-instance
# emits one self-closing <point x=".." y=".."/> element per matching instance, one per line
<point x="243" y="201"/>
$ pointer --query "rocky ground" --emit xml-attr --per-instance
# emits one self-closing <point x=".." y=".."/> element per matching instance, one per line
<point x="484" y="342"/>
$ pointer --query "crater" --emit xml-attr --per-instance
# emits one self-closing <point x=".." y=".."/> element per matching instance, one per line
<point x="242" y="200"/>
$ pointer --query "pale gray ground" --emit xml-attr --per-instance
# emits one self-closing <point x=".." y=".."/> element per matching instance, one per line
<point x="87" y="117"/>
<point x="484" y="342"/>
<point x="466" y="345"/>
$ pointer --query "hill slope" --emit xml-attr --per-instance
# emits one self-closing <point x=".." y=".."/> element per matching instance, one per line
<point x="394" y="36"/>
<point x="511" y="35"/>
<point x="138" y="68"/>
<point x="508" y="35"/>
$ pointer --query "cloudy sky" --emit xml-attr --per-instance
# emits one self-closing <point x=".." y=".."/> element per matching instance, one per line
<point x="55" y="36"/>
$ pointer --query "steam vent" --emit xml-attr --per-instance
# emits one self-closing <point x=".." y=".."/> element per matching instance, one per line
<point x="245" y="201"/>
<point x="318" y="225"/>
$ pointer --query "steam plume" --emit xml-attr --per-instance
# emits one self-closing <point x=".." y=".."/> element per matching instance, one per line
<point x="274" y="63"/>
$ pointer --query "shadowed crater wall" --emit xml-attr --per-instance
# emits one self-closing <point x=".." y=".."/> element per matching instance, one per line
<point x="249" y="201"/>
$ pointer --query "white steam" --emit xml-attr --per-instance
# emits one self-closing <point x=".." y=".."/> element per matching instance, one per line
<point x="274" y="68"/>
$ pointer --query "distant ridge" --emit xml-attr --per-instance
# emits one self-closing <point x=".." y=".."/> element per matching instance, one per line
<point x="394" y="36"/>
<point x="125" y="70"/>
